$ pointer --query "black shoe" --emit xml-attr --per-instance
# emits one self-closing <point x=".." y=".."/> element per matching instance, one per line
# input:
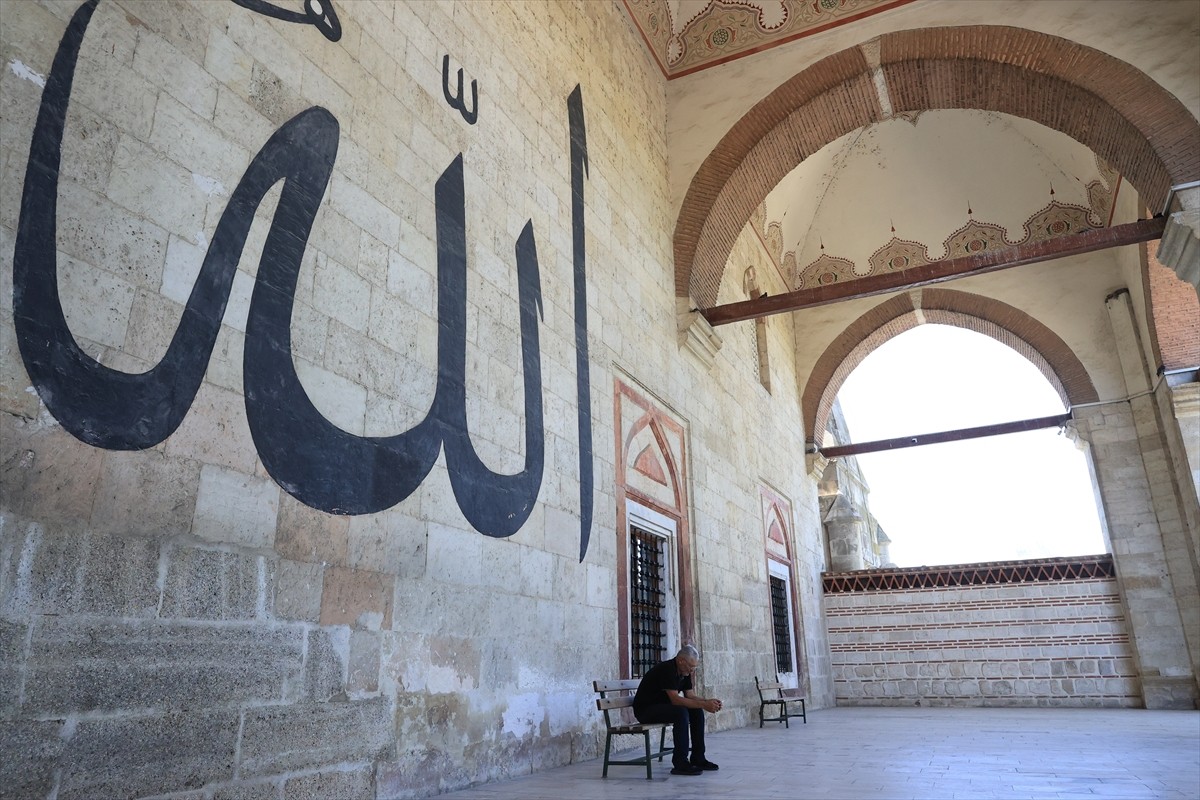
<point x="703" y="765"/>
<point x="687" y="770"/>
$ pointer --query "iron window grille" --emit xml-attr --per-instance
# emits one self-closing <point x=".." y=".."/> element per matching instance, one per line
<point x="648" y="601"/>
<point x="783" y="633"/>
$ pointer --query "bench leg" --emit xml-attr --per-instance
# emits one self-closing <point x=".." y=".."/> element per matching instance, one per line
<point x="662" y="743"/>
<point x="649" y="761"/>
<point x="607" y="750"/>
<point x="761" y="713"/>
<point x="803" y="713"/>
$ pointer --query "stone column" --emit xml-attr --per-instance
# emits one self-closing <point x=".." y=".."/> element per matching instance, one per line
<point x="1144" y="522"/>
<point x="844" y="526"/>
<point x="1185" y="403"/>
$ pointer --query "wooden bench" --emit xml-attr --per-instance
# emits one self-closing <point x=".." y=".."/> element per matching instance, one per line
<point x="615" y="697"/>
<point x="773" y="693"/>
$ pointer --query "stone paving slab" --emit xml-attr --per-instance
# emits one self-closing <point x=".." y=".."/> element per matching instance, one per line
<point x="913" y="754"/>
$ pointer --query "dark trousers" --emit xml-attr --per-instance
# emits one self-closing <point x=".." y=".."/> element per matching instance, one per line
<point x="685" y="721"/>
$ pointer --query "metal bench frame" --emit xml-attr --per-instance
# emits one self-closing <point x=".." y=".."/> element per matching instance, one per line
<point x="611" y="705"/>
<point x="782" y="697"/>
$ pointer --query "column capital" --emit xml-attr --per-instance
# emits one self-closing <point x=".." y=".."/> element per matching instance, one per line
<point x="1180" y="246"/>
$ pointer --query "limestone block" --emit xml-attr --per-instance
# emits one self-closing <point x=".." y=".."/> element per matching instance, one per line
<point x="358" y="598"/>
<point x="116" y="93"/>
<point x="389" y="542"/>
<point x="78" y="573"/>
<point x="298" y="590"/>
<point x="283" y="738"/>
<point x="305" y="534"/>
<point x="363" y="670"/>
<point x="340" y="399"/>
<point x="365" y="362"/>
<point x="455" y="556"/>
<point x="501" y="561"/>
<point x="537" y="573"/>
<point x="340" y="293"/>
<point x="30" y="749"/>
<point x="78" y="666"/>
<point x="236" y="508"/>
<point x="216" y="433"/>
<point x="136" y="756"/>
<point x="240" y="121"/>
<point x="227" y="63"/>
<point x="165" y="486"/>
<point x="212" y="584"/>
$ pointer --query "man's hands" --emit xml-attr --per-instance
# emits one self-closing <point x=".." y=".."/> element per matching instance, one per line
<point x="711" y="705"/>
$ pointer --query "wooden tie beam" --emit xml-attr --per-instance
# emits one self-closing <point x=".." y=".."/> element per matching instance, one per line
<point x="939" y="271"/>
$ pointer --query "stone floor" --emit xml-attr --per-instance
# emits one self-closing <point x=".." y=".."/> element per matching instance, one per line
<point x="912" y="754"/>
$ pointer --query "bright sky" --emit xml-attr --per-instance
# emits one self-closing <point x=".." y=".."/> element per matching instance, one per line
<point x="999" y="498"/>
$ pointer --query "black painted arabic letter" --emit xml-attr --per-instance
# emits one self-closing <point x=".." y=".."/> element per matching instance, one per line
<point x="457" y="101"/>
<point x="494" y="504"/>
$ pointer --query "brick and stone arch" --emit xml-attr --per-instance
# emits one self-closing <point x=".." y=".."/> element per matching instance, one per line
<point x="1106" y="104"/>
<point x="1008" y="325"/>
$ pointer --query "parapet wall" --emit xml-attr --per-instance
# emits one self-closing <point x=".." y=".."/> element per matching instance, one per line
<point x="1050" y="632"/>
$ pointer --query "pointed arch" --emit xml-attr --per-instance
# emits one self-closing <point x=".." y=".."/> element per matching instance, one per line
<point x="1006" y="324"/>
<point x="1100" y="101"/>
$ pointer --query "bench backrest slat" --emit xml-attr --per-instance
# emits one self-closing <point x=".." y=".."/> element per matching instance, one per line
<point x="605" y="703"/>
<point x="768" y="686"/>
<point x="616" y="686"/>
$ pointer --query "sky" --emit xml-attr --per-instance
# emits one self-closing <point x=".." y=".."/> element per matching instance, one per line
<point x="999" y="498"/>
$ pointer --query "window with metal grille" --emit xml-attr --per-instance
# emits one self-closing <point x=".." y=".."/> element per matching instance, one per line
<point x="783" y="633"/>
<point x="647" y="600"/>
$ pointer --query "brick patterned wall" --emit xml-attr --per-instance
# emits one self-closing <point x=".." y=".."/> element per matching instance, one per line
<point x="1037" y="643"/>
<point x="1175" y="321"/>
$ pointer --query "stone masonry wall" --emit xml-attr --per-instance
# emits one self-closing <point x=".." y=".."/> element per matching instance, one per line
<point x="1045" y="643"/>
<point x="236" y="587"/>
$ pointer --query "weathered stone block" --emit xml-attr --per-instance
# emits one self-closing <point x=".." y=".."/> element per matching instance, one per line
<point x="265" y="790"/>
<point x="282" y="738"/>
<point x="351" y="784"/>
<point x="212" y="584"/>
<point x="325" y="664"/>
<point x="30" y="750"/>
<point x="357" y="598"/>
<point x="134" y="756"/>
<point x="305" y="534"/>
<point x="236" y="508"/>
<point x="389" y="542"/>
<point x="298" y="590"/>
<point x="12" y="656"/>
<point x="45" y="473"/>
<point x="79" y="573"/>
<point x="81" y="666"/>
<point x="165" y="488"/>
<point x="363" y="671"/>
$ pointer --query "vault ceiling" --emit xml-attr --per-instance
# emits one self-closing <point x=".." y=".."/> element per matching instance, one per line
<point x="687" y="36"/>
<point x="928" y="186"/>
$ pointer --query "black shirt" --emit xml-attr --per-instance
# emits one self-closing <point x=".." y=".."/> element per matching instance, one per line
<point x="652" y="691"/>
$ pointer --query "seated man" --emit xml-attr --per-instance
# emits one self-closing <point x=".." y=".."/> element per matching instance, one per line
<point x="665" y="695"/>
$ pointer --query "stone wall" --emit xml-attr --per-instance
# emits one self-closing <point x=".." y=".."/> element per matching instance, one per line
<point x="971" y="637"/>
<point x="259" y="568"/>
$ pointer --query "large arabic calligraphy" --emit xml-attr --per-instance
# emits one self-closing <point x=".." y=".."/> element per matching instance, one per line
<point x="312" y="459"/>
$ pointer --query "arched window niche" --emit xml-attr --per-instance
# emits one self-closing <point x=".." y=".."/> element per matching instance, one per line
<point x="1015" y="496"/>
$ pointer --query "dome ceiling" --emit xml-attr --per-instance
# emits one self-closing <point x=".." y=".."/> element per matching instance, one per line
<point x="925" y="187"/>
<point x="687" y="36"/>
